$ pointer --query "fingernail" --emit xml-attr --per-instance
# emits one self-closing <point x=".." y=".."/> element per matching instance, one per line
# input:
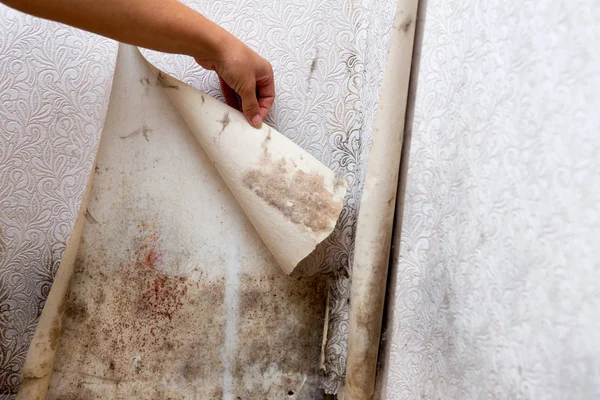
<point x="256" y="121"/>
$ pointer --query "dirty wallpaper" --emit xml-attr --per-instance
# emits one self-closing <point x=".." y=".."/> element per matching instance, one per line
<point x="496" y="278"/>
<point x="55" y="82"/>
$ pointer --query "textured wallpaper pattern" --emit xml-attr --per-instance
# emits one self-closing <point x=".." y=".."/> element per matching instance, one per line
<point x="328" y="58"/>
<point x="54" y="86"/>
<point x="497" y="275"/>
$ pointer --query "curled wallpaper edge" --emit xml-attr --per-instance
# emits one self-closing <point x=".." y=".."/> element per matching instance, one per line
<point x="376" y="215"/>
<point x="292" y="199"/>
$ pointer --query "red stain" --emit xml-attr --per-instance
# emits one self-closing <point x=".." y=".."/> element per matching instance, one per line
<point x="162" y="294"/>
<point x="149" y="253"/>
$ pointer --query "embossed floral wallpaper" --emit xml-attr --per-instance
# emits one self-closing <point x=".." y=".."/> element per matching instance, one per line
<point x="495" y="281"/>
<point x="328" y="58"/>
<point x="496" y="277"/>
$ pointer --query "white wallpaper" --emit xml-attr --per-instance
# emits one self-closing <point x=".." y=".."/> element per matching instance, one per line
<point x="497" y="270"/>
<point x="328" y="59"/>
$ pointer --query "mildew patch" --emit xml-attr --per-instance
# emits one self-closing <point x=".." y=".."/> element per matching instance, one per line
<point x="224" y="122"/>
<point x="129" y="321"/>
<point x="279" y="354"/>
<point x="302" y="198"/>
<point x="90" y="218"/>
<point x="312" y="69"/>
<point x="405" y="26"/>
<point x="144" y="130"/>
<point x="313" y="65"/>
<point x="162" y="81"/>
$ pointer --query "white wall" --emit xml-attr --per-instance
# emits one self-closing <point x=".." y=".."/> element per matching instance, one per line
<point x="497" y="280"/>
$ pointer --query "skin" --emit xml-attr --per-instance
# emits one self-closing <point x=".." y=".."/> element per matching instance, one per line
<point x="171" y="27"/>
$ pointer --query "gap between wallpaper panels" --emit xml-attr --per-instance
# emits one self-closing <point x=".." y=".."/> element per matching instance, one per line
<point x="384" y="348"/>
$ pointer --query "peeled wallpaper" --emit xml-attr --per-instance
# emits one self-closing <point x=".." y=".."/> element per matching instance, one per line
<point x="328" y="59"/>
<point x="496" y="266"/>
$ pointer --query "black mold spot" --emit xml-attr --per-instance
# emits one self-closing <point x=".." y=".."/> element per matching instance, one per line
<point x="225" y="121"/>
<point x="405" y="26"/>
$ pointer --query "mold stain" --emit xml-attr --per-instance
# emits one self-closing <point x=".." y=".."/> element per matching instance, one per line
<point x="312" y="69"/>
<point x="289" y="359"/>
<point x="265" y="142"/>
<point x="144" y="130"/>
<point x="224" y="122"/>
<point x="122" y="306"/>
<point x="302" y="198"/>
<point x="313" y="65"/>
<point x="162" y="81"/>
<point x="90" y="218"/>
<point x="405" y="26"/>
<point x="145" y="82"/>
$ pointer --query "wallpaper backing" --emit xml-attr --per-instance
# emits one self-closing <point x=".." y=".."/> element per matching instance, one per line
<point x="496" y="276"/>
<point x="328" y="59"/>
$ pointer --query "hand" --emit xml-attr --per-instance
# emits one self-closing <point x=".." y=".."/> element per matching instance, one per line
<point x="244" y="73"/>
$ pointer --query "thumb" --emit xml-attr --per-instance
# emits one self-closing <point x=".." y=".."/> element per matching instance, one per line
<point x="250" y="106"/>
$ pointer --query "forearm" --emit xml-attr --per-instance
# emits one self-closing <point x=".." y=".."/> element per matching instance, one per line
<point x="163" y="25"/>
<point x="171" y="27"/>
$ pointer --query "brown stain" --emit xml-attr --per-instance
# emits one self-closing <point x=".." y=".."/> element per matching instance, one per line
<point x="224" y="122"/>
<point x="194" y="367"/>
<point x="313" y="65"/>
<point x="79" y="393"/>
<point x="144" y="130"/>
<point x="55" y="331"/>
<point x="218" y="394"/>
<point x="90" y="218"/>
<point x="162" y="81"/>
<point x="145" y="82"/>
<point x="289" y="339"/>
<point x="301" y="198"/>
<point x="405" y="26"/>
<point x="312" y="69"/>
<point x="77" y="311"/>
<point x="54" y="335"/>
<point x="121" y="307"/>
<point x="369" y="312"/>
